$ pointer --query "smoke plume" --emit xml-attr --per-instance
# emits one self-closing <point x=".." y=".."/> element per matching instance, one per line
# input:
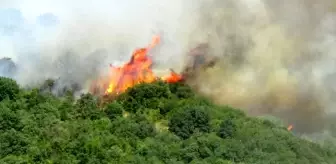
<point x="277" y="58"/>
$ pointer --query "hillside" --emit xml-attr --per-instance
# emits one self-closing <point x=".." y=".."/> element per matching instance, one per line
<point x="149" y="123"/>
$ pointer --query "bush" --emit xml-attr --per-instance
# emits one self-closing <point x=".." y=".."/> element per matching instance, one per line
<point x="12" y="143"/>
<point x="9" y="118"/>
<point x="181" y="90"/>
<point x="113" y="110"/>
<point x="145" y="96"/>
<point x="8" y="88"/>
<point x="227" y="129"/>
<point x="186" y="122"/>
<point x="132" y="129"/>
<point x="87" y="107"/>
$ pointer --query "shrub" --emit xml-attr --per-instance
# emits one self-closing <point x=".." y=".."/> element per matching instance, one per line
<point x="132" y="129"/>
<point x="8" y="88"/>
<point x="227" y="129"/>
<point x="113" y="110"/>
<point x="145" y="96"/>
<point x="87" y="107"/>
<point x="181" y="90"/>
<point x="186" y="122"/>
<point x="9" y="118"/>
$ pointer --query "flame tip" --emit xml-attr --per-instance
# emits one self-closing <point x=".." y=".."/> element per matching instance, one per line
<point x="137" y="70"/>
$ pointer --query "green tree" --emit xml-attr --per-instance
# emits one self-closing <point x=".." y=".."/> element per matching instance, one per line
<point x="145" y="96"/>
<point x="8" y="88"/>
<point x="133" y="128"/>
<point x="9" y="119"/>
<point x="114" y="110"/>
<point x="188" y="121"/>
<point x="227" y="129"/>
<point x="12" y="142"/>
<point x="87" y="107"/>
<point x="181" y="90"/>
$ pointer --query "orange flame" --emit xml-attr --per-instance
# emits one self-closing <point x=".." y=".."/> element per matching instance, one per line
<point x="137" y="70"/>
<point x="173" y="77"/>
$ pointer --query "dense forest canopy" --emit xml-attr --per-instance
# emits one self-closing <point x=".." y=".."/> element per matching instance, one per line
<point x="149" y="123"/>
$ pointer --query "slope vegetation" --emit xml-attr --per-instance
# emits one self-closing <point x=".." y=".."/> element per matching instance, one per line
<point x="150" y="123"/>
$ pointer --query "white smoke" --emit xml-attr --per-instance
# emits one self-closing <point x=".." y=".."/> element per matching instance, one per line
<point x="87" y="36"/>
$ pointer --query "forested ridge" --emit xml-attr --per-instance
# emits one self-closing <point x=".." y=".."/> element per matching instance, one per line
<point x="149" y="123"/>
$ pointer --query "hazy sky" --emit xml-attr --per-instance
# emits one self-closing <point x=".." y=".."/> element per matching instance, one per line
<point x="103" y="8"/>
<point x="86" y="26"/>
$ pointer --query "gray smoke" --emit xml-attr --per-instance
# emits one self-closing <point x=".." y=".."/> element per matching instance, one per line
<point x="7" y="67"/>
<point x="277" y="58"/>
<point x="77" y="42"/>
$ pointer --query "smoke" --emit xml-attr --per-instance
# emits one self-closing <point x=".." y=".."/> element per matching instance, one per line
<point x="76" y="41"/>
<point x="276" y="56"/>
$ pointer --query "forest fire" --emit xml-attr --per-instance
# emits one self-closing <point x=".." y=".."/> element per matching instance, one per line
<point x="137" y="70"/>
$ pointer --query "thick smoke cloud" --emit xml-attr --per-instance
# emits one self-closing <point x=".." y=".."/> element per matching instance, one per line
<point x="78" y="42"/>
<point x="277" y="57"/>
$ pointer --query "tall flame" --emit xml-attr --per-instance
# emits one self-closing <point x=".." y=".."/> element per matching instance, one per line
<point x="137" y="70"/>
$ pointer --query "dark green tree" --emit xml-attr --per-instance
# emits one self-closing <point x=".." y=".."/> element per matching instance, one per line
<point x="188" y="121"/>
<point x="143" y="96"/>
<point x="8" y="88"/>
<point x="181" y="90"/>
<point x="114" y="110"/>
<point x="87" y="107"/>
<point x="227" y="129"/>
<point x="132" y="130"/>
<point x="12" y="142"/>
<point x="9" y="119"/>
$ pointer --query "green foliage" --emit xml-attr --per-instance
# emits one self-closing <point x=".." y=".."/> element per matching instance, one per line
<point x="150" y="123"/>
<point x="87" y="107"/>
<point x="227" y="129"/>
<point x="145" y="96"/>
<point x="181" y="90"/>
<point x="8" y="88"/>
<point x="133" y="128"/>
<point x="9" y="119"/>
<point x="188" y="121"/>
<point x="12" y="142"/>
<point x="114" y="110"/>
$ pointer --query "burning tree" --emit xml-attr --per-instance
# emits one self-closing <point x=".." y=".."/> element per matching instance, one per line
<point x="139" y="70"/>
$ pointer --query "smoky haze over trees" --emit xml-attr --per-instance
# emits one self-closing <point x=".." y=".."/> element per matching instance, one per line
<point x="275" y="57"/>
